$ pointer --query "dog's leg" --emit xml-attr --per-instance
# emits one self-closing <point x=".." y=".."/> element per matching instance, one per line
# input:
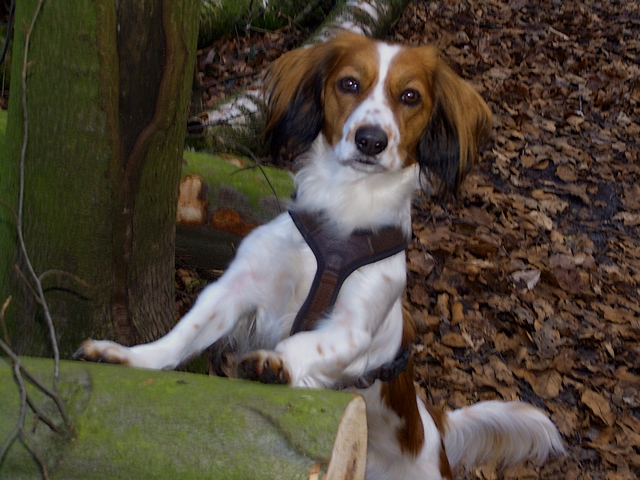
<point x="257" y="280"/>
<point x="213" y="315"/>
<point x="362" y="332"/>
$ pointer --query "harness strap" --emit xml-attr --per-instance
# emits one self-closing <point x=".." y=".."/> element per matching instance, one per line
<point x="337" y="258"/>
<point x="385" y="372"/>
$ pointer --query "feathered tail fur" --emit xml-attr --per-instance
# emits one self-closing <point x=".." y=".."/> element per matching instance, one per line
<point x="504" y="433"/>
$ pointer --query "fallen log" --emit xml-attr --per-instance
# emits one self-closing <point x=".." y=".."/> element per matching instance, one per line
<point x="220" y="200"/>
<point x="134" y="423"/>
<point x="230" y="17"/>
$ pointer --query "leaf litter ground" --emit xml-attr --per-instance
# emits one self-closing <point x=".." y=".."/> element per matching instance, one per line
<point x="527" y="287"/>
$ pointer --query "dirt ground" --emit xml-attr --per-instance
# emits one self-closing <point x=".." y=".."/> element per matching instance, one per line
<point x="528" y="286"/>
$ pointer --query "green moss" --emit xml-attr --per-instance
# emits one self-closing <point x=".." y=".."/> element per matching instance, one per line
<point x="245" y="177"/>
<point x="3" y="129"/>
<point x="134" y="423"/>
<point x="219" y="18"/>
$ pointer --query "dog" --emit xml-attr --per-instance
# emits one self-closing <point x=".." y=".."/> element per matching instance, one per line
<point x="369" y="123"/>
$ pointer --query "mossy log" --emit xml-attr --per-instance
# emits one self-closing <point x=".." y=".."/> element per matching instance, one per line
<point x="221" y="199"/>
<point x="133" y="423"/>
<point x="229" y="17"/>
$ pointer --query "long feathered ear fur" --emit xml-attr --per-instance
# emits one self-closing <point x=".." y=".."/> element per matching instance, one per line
<point x="460" y="124"/>
<point x="294" y="88"/>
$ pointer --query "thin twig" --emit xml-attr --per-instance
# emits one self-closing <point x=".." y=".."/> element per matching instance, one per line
<point x="228" y="79"/>
<point x="259" y="165"/>
<point x="8" y="441"/>
<point x="5" y="332"/>
<point x="26" y="282"/>
<point x="7" y="39"/>
<point x="19" y="429"/>
<point x="62" y="273"/>
<point x="39" y="416"/>
<point x="564" y="36"/>
<point x="53" y="394"/>
<point x="16" y="430"/>
<point x="36" y="453"/>
<point x="11" y="209"/>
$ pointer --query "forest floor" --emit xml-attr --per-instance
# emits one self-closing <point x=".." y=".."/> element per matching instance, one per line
<point x="527" y="287"/>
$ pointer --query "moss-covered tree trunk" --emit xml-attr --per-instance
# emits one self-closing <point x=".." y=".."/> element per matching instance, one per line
<point x="107" y="90"/>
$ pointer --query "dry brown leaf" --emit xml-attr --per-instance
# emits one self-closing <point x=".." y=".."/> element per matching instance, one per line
<point x="628" y="218"/>
<point x="599" y="406"/>
<point x="442" y="306"/>
<point x="501" y="370"/>
<point x="566" y="173"/>
<point x="540" y="220"/>
<point x="547" y="384"/>
<point x="420" y="262"/>
<point x="457" y="313"/>
<point x="565" y="418"/>
<point x="419" y="295"/>
<point x="454" y="340"/>
<point x="569" y="279"/>
<point x="548" y="125"/>
<point x="575" y="121"/>
<point x="435" y="238"/>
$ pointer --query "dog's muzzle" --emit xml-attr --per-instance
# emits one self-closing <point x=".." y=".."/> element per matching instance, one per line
<point x="371" y="140"/>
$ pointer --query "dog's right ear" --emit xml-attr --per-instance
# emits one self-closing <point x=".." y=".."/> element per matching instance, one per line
<point x="460" y="124"/>
<point x="294" y="89"/>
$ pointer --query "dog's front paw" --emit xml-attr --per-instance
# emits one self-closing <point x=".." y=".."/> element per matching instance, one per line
<point x="102" y="351"/>
<point x="264" y="366"/>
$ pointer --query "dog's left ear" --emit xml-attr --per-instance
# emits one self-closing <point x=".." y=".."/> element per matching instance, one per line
<point x="460" y="124"/>
<point x="294" y="88"/>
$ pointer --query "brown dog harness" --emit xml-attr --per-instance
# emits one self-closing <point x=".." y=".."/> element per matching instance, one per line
<point x="337" y="258"/>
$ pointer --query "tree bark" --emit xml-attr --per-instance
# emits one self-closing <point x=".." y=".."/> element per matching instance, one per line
<point x="107" y="92"/>
<point x="240" y="120"/>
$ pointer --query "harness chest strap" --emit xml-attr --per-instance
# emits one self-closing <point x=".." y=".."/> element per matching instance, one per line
<point x="337" y="258"/>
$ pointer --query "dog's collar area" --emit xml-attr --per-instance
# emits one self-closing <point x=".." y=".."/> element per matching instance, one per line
<point x="385" y="372"/>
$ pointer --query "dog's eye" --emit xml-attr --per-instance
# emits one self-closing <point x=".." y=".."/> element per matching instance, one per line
<point x="348" y="85"/>
<point x="410" y="97"/>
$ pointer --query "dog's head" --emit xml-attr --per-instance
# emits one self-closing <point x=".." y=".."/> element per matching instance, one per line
<point x="381" y="107"/>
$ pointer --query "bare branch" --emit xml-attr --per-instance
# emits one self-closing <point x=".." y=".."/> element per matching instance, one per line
<point x="23" y="411"/>
<point x="39" y="416"/>
<point x="62" y="273"/>
<point x="53" y="394"/>
<point x="5" y="305"/>
<point x="19" y="428"/>
<point x="27" y="283"/>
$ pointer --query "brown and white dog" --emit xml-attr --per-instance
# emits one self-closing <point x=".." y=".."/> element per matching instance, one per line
<point x="369" y="122"/>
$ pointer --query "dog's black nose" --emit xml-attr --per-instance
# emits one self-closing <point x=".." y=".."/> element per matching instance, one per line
<point x="371" y="139"/>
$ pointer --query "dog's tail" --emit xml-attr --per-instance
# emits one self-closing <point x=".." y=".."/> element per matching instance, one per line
<point x="502" y="432"/>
